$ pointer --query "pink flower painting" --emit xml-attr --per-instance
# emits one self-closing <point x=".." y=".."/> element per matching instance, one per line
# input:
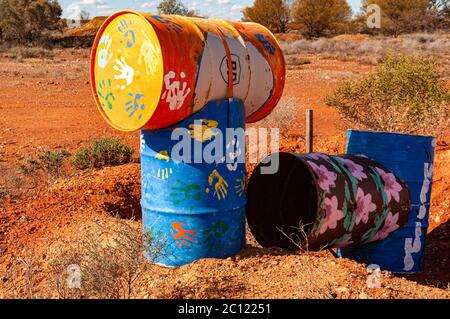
<point x="345" y="243"/>
<point x="326" y="179"/>
<point x="364" y="206"/>
<point x="333" y="214"/>
<point x="391" y="186"/>
<point x="390" y="226"/>
<point x="319" y="156"/>
<point x="356" y="170"/>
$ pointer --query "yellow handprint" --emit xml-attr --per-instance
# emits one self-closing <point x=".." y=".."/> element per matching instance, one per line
<point x="148" y="55"/>
<point x="241" y="185"/>
<point x="220" y="187"/>
<point x="163" y="156"/>
<point x="164" y="173"/>
<point x="203" y="130"/>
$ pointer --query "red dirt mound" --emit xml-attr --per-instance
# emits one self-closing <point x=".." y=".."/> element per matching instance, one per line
<point x="88" y="29"/>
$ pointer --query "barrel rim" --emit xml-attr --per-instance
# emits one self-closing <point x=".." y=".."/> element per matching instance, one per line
<point x="92" y="67"/>
<point x="297" y="158"/>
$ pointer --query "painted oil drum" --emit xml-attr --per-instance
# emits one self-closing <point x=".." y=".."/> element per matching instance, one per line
<point x="193" y="209"/>
<point x="150" y="72"/>
<point x="316" y="201"/>
<point x="411" y="157"/>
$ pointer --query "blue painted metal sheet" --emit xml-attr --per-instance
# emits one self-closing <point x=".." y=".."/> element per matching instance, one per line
<point x="411" y="158"/>
<point x="196" y="210"/>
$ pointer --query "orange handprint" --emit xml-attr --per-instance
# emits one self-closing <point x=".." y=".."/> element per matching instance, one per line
<point x="181" y="235"/>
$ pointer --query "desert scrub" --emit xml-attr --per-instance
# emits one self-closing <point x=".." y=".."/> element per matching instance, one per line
<point x="295" y="60"/>
<point x="405" y="94"/>
<point x="20" y="53"/>
<point x="49" y="162"/>
<point x="111" y="266"/>
<point x="103" y="152"/>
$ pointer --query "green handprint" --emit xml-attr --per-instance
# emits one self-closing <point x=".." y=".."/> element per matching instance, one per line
<point x="107" y="98"/>
<point x="214" y="237"/>
<point x="185" y="192"/>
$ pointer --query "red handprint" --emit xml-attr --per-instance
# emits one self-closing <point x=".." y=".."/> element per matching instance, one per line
<point x="181" y="235"/>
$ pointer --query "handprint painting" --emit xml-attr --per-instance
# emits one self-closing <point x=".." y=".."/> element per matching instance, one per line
<point x="176" y="65"/>
<point x="197" y="209"/>
<point x="121" y="60"/>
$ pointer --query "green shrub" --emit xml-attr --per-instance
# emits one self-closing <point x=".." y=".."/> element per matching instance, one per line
<point x="103" y="152"/>
<point x="405" y="94"/>
<point x="50" y="162"/>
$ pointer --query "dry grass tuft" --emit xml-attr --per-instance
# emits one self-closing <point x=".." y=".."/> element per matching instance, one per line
<point x="371" y="49"/>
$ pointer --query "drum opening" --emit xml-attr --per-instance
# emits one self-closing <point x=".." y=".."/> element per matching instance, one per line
<point x="282" y="207"/>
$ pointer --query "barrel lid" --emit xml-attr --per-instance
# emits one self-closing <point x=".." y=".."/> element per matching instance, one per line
<point x="127" y="71"/>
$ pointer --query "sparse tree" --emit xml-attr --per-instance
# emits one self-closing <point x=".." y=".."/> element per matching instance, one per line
<point x="440" y="6"/>
<point x="25" y="21"/>
<point x="440" y="11"/>
<point x="321" y="17"/>
<point x="274" y="14"/>
<point x="84" y="16"/>
<point x="401" y="16"/>
<point x="174" y="7"/>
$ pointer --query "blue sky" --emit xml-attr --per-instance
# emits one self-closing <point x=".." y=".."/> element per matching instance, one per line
<point x="225" y="9"/>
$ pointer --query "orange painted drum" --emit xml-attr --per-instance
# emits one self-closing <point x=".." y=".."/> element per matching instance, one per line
<point x="150" y="72"/>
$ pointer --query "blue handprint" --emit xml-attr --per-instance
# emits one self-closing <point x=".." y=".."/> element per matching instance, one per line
<point x="266" y="43"/>
<point x="169" y="24"/>
<point x="133" y="105"/>
<point x="124" y="28"/>
<point x="107" y="98"/>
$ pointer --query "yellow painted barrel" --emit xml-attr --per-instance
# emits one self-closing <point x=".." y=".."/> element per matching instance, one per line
<point x="150" y="72"/>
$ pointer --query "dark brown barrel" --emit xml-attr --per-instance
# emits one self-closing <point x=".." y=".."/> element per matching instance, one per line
<point x="317" y="201"/>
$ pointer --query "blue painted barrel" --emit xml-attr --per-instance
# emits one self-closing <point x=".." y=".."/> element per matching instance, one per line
<point x="194" y="205"/>
<point x="411" y="158"/>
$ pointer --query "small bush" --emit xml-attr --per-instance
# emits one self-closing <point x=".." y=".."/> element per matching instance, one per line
<point x="283" y="116"/>
<point x="111" y="267"/>
<point x="405" y="94"/>
<point x="21" y="280"/>
<point x="101" y="153"/>
<point x="11" y="185"/>
<point x="50" y="162"/>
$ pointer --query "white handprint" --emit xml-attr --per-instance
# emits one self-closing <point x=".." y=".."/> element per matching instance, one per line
<point x="103" y="57"/>
<point x="148" y="55"/>
<point x="234" y="154"/>
<point x="175" y="93"/>
<point x="126" y="72"/>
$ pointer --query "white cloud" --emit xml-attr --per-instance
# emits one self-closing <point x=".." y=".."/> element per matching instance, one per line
<point x="147" y="5"/>
<point x="226" y="9"/>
